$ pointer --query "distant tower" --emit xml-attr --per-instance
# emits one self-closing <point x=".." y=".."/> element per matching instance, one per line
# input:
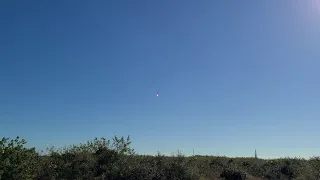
<point x="255" y="154"/>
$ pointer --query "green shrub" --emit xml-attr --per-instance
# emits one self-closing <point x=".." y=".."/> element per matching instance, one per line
<point x="116" y="160"/>
<point x="16" y="162"/>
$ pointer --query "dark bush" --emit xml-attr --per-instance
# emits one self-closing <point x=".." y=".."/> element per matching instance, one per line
<point x="233" y="175"/>
<point x="245" y="163"/>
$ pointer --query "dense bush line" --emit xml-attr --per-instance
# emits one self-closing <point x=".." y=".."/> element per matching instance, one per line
<point x="116" y="160"/>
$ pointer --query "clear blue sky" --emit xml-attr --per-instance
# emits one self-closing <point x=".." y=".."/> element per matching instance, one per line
<point x="233" y="75"/>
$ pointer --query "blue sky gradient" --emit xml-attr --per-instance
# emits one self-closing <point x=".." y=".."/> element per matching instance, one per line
<point x="233" y="76"/>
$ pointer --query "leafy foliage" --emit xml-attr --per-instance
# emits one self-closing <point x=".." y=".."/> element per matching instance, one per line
<point x="16" y="162"/>
<point x="116" y="160"/>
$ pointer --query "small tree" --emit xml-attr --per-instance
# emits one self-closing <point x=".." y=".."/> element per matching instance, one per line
<point x="16" y="162"/>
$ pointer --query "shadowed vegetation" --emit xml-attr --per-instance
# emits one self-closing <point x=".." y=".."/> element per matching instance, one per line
<point x="115" y="160"/>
